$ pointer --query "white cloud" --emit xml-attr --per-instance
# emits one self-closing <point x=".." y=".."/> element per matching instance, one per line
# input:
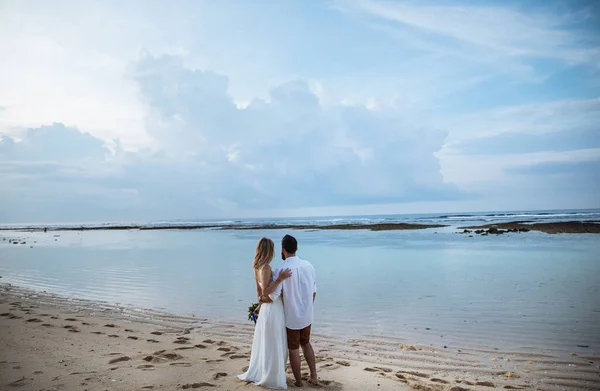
<point x="353" y="110"/>
<point x="290" y="152"/>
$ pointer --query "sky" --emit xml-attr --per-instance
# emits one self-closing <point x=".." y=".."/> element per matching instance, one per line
<point x="190" y="109"/>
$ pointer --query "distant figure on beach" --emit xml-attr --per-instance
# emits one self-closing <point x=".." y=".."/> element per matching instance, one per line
<point x="298" y="293"/>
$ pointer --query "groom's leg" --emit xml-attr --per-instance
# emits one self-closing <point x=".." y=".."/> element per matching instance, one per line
<point x="295" y="363"/>
<point x="309" y="354"/>
<point x="293" y="337"/>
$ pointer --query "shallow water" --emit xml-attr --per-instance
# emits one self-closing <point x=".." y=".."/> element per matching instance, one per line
<point x="515" y="291"/>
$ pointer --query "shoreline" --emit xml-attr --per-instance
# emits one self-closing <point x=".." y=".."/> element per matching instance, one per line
<point x="232" y="227"/>
<point x="565" y="227"/>
<point x="71" y="342"/>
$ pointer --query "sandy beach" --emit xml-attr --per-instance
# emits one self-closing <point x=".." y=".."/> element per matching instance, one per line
<point x="53" y="343"/>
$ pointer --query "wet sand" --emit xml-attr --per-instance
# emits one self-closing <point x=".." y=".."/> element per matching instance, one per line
<point x="566" y="227"/>
<point x="51" y="343"/>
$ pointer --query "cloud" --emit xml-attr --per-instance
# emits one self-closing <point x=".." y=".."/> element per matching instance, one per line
<point x="510" y="143"/>
<point x="588" y="169"/>
<point x="382" y="103"/>
<point x="491" y="31"/>
<point x="285" y="152"/>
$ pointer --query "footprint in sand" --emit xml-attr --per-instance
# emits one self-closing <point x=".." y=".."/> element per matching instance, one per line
<point x="152" y="341"/>
<point x="34" y="320"/>
<point x="129" y="331"/>
<point x="185" y="348"/>
<point x="71" y="320"/>
<point x="180" y="364"/>
<point x="156" y="333"/>
<point x="171" y="356"/>
<point x="329" y="366"/>
<point x="214" y="361"/>
<point x="224" y="349"/>
<point x="485" y="384"/>
<point x="162" y="356"/>
<point x="441" y="381"/>
<point x="15" y="317"/>
<point x="98" y="332"/>
<point x="343" y="363"/>
<point x="146" y="367"/>
<point x="219" y="375"/>
<point x="132" y="337"/>
<point x="110" y="325"/>
<point x="200" y="346"/>
<point x="417" y="374"/>
<point x="54" y="317"/>
<point x="119" y="359"/>
<point x="209" y="341"/>
<point x="181" y="340"/>
<point x="237" y="356"/>
<point x="113" y="336"/>
<point x="197" y="385"/>
<point x="47" y="325"/>
<point x="20" y="382"/>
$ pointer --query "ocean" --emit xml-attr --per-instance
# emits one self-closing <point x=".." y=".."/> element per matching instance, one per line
<point x="435" y="286"/>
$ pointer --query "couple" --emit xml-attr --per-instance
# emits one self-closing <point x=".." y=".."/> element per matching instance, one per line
<point x="286" y="297"/>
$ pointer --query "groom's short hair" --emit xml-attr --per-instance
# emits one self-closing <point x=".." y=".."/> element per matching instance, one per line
<point x="289" y="244"/>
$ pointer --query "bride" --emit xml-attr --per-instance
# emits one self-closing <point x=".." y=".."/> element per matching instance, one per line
<point x="269" y="346"/>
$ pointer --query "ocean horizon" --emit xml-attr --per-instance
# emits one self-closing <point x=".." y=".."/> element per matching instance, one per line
<point x="450" y="219"/>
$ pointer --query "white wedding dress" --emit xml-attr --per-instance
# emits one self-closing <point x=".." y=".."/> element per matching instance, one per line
<point x="269" y="347"/>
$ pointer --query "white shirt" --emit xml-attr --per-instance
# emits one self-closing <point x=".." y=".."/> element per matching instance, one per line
<point x="297" y="292"/>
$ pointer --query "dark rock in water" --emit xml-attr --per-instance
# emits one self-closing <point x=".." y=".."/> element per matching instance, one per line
<point x="484" y="234"/>
<point x="479" y="231"/>
<point x="492" y="230"/>
<point x="466" y="231"/>
<point x="523" y="230"/>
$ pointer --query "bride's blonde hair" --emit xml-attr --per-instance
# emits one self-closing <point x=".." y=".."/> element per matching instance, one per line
<point x="265" y="250"/>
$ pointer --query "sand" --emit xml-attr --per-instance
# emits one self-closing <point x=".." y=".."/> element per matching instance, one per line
<point x="53" y="343"/>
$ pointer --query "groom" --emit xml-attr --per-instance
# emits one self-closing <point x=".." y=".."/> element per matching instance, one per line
<point x="299" y="292"/>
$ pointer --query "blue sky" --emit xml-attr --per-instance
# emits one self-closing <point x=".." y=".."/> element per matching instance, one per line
<point x="198" y="109"/>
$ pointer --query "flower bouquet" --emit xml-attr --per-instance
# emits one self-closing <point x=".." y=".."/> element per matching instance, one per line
<point x="253" y="312"/>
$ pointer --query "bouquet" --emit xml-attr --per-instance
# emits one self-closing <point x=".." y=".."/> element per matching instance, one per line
<point x="253" y="312"/>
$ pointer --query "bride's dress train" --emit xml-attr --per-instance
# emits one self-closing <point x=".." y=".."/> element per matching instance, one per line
<point x="269" y="348"/>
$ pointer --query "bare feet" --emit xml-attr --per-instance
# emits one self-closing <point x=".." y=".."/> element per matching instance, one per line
<point x="299" y="383"/>
<point x="314" y="381"/>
